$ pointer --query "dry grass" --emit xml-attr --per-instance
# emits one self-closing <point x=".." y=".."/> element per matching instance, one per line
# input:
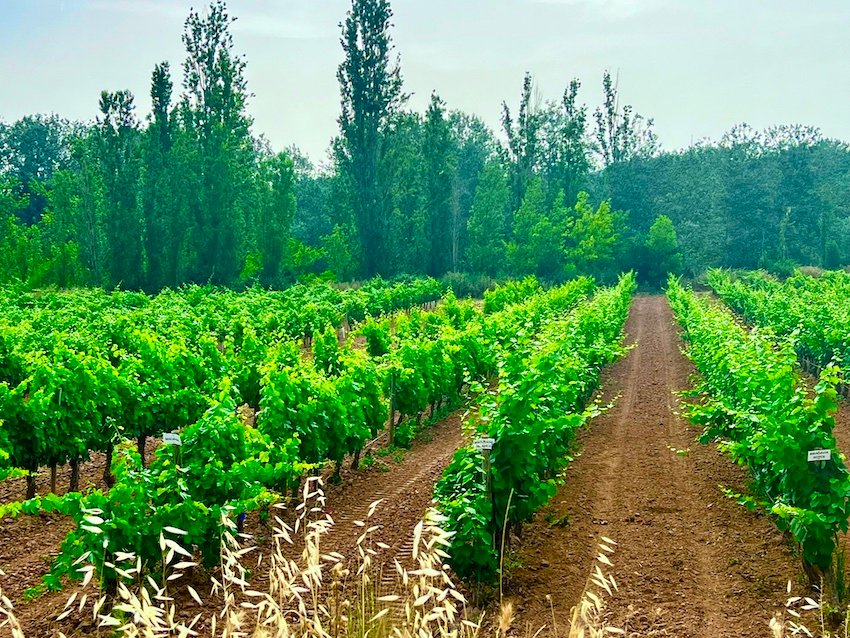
<point x="588" y="617"/>
<point x="317" y="595"/>
<point x="822" y="619"/>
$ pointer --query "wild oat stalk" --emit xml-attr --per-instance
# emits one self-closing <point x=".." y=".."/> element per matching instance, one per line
<point x="317" y="595"/>
<point x="789" y="622"/>
<point x="7" y="613"/>
<point x="588" y="617"/>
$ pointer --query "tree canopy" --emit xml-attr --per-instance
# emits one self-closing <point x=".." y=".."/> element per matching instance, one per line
<point x="191" y="193"/>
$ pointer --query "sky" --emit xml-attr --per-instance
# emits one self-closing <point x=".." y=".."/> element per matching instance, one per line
<point x="698" y="67"/>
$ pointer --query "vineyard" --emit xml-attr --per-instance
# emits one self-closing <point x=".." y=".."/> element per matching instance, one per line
<point x="221" y="423"/>
<point x="811" y="311"/>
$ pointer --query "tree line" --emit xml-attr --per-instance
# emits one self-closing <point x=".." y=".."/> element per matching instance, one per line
<point x="190" y="192"/>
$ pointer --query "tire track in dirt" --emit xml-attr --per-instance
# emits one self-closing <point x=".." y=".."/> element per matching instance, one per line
<point x="690" y="562"/>
<point x="405" y="491"/>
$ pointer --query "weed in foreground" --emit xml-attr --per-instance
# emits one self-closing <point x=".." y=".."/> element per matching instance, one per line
<point x="317" y="594"/>
<point x="588" y="617"/>
<point x="828" y="621"/>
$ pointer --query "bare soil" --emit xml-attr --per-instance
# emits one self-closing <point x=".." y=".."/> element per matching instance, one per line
<point x="689" y="561"/>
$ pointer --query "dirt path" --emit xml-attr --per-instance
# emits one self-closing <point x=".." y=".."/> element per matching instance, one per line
<point x="405" y="489"/>
<point x="690" y="562"/>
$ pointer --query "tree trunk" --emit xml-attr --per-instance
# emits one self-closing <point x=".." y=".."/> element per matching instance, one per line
<point x="296" y="490"/>
<point x="53" y="478"/>
<point x="31" y="485"/>
<point x="391" y="434"/>
<point x="108" y="478"/>
<point x="75" y="476"/>
<point x="355" y="459"/>
<point x="140" y="446"/>
<point x="336" y="478"/>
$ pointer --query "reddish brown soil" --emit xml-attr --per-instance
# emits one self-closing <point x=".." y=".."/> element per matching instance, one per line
<point x="690" y="562"/>
<point x="842" y="427"/>
<point x="405" y="489"/>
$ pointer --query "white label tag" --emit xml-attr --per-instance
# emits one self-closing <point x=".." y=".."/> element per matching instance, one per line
<point x="819" y="455"/>
<point x="171" y="438"/>
<point x="483" y="444"/>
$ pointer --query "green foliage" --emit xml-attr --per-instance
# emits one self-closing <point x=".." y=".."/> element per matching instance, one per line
<point x="812" y="311"/>
<point x="661" y="256"/>
<point x="488" y="222"/>
<point x="754" y="199"/>
<point x="523" y="143"/>
<point x="339" y="251"/>
<point x="371" y="89"/>
<point x="537" y="229"/>
<point x="755" y="405"/>
<point x="80" y="370"/>
<point x="439" y="175"/>
<point x="621" y="134"/>
<point x="326" y="351"/>
<point x="512" y="292"/>
<point x="592" y="237"/>
<point x="377" y="335"/>
<point x="273" y="216"/>
<point x="546" y="375"/>
<point x="189" y="193"/>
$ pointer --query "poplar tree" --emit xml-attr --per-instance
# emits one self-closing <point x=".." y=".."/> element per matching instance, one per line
<point x="213" y="110"/>
<point x="523" y="148"/>
<point x="118" y="143"/>
<point x="371" y="88"/>
<point x="440" y="166"/>
<point x="621" y="134"/>
<point x="163" y="224"/>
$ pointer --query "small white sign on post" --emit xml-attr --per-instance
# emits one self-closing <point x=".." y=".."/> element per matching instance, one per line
<point x="819" y="455"/>
<point x="171" y="438"/>
<point x="482" y="445"/>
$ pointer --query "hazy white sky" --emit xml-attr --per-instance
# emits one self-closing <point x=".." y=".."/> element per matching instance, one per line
<point x="696" y="66"/>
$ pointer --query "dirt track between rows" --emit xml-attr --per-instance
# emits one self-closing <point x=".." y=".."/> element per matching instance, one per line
<point x="689" y="562"/>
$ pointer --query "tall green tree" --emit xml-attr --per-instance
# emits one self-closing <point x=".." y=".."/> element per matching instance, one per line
<point x="32" y="149"/>
<point x="164" y="216"/>
<point x="313" y="191"/>
<point x="523" y="141"/>
<point x="621" y="134"/>
<point x="565" y="155"/>
<point x="439" y="159"/>
<point x="592" y="239"/>
<point x="275" y="206"/>
<point x="118" y="144"/>
<point x="475" y="147"/>
<point x="403" y="170"/>
<point x="487" y="226"/>
<point x="213" y="111"/>
<point x="663" y="255"/>
<point x="371" y="88"/>
<point x="537" y="236"/>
